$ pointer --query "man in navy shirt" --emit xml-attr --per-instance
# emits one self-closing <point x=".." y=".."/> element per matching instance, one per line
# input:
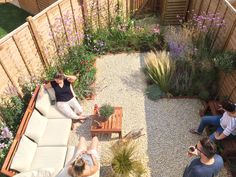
<point x="208" y="164"/>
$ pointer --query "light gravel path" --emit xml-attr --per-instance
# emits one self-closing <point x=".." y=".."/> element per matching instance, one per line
<point x="120" y="81"/>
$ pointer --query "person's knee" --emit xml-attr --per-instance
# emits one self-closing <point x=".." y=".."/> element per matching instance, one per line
<point x="95" y="139"/>
<point x="82" y="138"/>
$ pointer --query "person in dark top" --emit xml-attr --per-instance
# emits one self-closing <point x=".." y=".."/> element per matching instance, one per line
<point x="66" y="101"/>
<point x="208" y="164"/>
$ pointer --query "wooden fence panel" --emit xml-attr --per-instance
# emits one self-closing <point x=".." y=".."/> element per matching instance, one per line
<point x="29" y="52"/>
<point x="44" y="31"/>
<point x="104" y="12"/>
<point x="232" y="41"/>
<point x="78" y="17"/>
<point x="42" y="4"/>
<point x="12" y="62"/>
<point x="5" y="82"/>
<point x="224" y="32"/>
<point x="227" y="85"/>
<point x="30" y="6"/>
<point x="92" y="13"/>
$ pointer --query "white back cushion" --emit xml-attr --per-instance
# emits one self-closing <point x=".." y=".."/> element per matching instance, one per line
<point x="52" y="95"/>
<point x="36" y="126"/>
<point x="24" y="155"/>
<point x="41" y="172"/>
<point x="43" y="101"/>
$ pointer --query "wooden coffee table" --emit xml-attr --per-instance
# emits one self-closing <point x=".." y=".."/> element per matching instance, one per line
<point x="112" y="125"/>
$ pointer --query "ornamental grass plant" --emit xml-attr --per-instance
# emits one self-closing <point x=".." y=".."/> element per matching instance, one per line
<point x="160" y="68"/>
<point x="125" y="160"/>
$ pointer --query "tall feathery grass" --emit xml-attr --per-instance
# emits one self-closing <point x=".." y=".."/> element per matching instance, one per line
<point x="125" y="161"/>
<point x="160" y="69"/>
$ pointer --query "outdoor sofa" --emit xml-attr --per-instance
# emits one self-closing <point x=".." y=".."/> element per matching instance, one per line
<point x="39" y="148"/>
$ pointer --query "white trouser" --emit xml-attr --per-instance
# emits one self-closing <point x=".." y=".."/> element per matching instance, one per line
<point x="70" y="108"/>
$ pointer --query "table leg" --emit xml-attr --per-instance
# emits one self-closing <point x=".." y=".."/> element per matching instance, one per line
<point x="120" y="135"/>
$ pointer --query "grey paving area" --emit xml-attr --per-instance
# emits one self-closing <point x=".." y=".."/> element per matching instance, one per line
<point x="120" y="81"/>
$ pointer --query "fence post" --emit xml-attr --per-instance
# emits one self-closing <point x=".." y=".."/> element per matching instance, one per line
<point x="38" y="41"/>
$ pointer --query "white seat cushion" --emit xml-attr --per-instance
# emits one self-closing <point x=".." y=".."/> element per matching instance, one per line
<point x="49" y="157"/>
<point x="36" y="126"/>
<point x="54" y="113"/>
<point x="24" y="155"/>
<point x="71" y="151"/>
<point x="41" y="172"/>
<point x="56" y="133"/>
<point x="43" y="101"/>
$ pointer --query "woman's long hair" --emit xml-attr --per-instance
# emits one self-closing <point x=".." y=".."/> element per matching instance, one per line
<point x="78" y="167"/>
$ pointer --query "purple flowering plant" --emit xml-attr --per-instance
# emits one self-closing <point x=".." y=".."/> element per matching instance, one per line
<point x="6" y="139"/>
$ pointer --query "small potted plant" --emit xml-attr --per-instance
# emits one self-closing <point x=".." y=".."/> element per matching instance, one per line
<point x="106" y="111"/>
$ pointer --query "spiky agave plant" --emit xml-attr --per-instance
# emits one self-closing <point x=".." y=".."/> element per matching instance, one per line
<point x="125" y="161"/>
<point x="160" y="68"/>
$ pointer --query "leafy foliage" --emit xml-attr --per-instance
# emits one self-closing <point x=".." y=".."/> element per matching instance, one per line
<point x="122" y="35"/>
<point x="106" y="111"/>
<point x="154" y="92"/>
<point x="226" y="61"/>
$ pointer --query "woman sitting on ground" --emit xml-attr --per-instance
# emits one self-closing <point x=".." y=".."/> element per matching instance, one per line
<point x="85" y="162"/>
<point x="65" y="100"/>
<point x="226" y="124"/>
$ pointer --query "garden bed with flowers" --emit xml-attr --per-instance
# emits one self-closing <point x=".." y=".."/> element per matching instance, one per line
<point x="190" y="64"/>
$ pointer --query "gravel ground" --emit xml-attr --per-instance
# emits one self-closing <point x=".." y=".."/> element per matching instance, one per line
<point x="120" y="81"/>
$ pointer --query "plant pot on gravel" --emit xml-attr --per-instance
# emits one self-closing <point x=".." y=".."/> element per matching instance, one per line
<point x="105" y="112"/>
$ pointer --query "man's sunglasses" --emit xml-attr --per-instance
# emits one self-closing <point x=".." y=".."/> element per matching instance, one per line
<point x="200" y="150"/>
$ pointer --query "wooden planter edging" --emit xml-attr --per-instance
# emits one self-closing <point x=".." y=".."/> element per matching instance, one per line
<point x="181" y="97"/>
<point x="24" y="122"/>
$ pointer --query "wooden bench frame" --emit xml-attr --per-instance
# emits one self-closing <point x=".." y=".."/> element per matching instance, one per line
<point x="21" y="130"/>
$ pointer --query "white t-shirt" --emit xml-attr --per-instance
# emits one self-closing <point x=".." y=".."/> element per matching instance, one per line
<point x="228" y="123"/>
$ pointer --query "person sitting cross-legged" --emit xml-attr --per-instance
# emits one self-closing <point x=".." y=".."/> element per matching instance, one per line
<point x="225" y="124"/>
<point x="208" y="164"/>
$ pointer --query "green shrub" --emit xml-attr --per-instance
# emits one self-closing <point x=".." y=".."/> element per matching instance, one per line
<point x="160" y="68"/>
<point x="122" y="36"/>
<point x="12" y="110"/>
<point x="106" y="111"/>
<point x="226" y="61"/>
<point x="154" y="93"/>
<point x="79" y="62"/>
